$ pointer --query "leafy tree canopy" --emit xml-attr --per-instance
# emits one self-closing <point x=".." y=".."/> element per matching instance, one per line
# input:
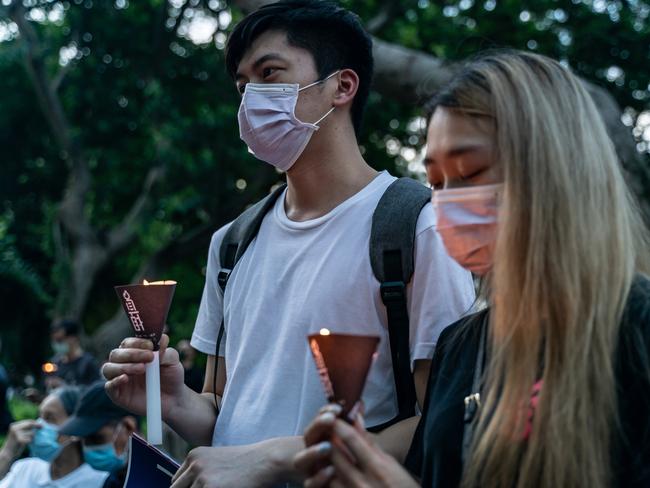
<point x="147" y="109"/>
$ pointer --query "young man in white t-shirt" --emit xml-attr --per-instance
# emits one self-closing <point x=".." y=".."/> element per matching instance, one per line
<point x="301" y="65"/>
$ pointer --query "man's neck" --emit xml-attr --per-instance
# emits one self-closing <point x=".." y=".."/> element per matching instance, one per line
<point x="330" y="172"/>
<point x="75" y="352"/>
<point x="66" y="462"/>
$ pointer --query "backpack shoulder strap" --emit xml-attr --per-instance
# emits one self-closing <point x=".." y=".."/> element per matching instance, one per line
<point x="241" y="233"/>
<point x="393" y="228"/>
<point x="233" y="246"/>
<point x="392" y="242"/>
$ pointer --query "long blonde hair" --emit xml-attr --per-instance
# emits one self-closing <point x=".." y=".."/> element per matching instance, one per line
<point x="570" y="241"/>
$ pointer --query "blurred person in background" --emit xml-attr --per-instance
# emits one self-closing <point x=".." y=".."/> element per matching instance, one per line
<point x="55" y="460"/>
<point x="103" y="430"/>
<point x="72" y="365"/>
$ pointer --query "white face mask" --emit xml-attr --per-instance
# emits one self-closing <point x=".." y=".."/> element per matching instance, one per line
<point x="268" y="124"/>
<point x="467" y="222"/>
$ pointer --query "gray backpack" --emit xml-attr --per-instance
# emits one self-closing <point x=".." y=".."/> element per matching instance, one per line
<point x="392" y="239"/>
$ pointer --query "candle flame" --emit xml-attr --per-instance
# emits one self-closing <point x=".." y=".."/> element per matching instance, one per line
<point x="49" y="368"/>
<point x="163" y="282"/>
<point x="324" y="332"/>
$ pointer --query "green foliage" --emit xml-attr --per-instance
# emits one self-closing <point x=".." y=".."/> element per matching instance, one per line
<point x="138" y="93"/>
<point x="23" y="293"/>
<point x="22" y="409"/>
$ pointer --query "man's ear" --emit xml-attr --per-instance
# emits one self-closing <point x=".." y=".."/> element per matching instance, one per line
<point x="348" y="84"/>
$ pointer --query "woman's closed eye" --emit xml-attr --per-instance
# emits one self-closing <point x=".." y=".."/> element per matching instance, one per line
<point x="472" y="175"/>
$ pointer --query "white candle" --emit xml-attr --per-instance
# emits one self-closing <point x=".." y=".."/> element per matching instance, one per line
<point x="154" y="416"/>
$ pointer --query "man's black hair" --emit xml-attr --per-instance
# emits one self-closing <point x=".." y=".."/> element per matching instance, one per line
<point x="333" y="35"/>
<point x="69" y="327"/>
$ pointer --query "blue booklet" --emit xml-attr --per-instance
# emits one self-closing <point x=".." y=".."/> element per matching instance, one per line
<point x="149" y="467"/>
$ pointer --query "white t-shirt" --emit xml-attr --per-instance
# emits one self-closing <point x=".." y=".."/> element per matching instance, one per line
<point x="298" y="277"/>
<point x="33" y="472"/>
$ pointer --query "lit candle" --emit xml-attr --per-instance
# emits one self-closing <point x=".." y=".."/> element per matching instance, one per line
<point x="343" y="362"/>
<point x="154" y="407"/>
<point x="146" y="307"/>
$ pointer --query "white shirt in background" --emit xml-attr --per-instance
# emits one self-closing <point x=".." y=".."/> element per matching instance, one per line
<point x="35" y="473"/>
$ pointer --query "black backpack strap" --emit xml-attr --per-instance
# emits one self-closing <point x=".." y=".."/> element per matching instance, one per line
<point x="241" y="233"/>
<point x="392" y="242"/>
<point x="233" y="246"/>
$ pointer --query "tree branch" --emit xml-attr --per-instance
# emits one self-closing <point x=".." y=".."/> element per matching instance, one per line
<point x="33" y="58"/>
<point x="63" y="71"/>
<point x="125" y="232"/>
<point x="60" y="75"/>
<point x="71" y="210"/>
<point x="387" y="11"/>
<point x="89" y="254"/>
<point x="407" y="75"/>
<point x="191" y="242"/>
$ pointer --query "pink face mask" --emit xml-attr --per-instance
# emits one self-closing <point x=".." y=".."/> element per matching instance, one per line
<point x="268" y="124"/>
<point x="467" y="222"/>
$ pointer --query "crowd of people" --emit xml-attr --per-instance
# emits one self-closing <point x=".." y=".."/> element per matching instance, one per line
<point x="80" y="438"/>
<point x="540" y="378"/>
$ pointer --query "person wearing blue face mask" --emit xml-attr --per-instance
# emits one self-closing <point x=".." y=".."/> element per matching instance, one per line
<point x="74" y="366"/>
<point x="55" y="460"/>
<point x="103" y="430"/>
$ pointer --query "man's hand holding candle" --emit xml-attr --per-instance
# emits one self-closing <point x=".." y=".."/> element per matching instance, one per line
<point x="125" y="372"/>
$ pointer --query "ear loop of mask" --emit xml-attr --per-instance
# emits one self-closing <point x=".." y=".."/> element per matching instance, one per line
<point x="125" y="452"/>
<point x="317" y="83"/>
<point x="323" y="117"/>
<point x="119" y="427"/>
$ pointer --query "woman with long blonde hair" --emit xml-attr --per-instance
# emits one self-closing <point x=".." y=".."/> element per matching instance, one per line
<point x="550" y="387"/>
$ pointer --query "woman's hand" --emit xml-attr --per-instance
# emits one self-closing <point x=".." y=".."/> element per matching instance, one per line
<point x="314" y="462"/>
<point x="340" y="455"/>
<point x="20" y="434"/>
<point x="359" y="463"/>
